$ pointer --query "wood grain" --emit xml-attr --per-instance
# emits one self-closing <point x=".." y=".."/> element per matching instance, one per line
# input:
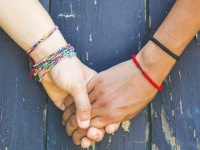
<point x="175" y="111"/>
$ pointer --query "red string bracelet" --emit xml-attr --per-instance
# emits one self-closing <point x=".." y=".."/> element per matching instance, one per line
<point x="160" y="88"/>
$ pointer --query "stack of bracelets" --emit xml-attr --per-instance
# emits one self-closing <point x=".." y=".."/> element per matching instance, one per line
<point x="49" y="62"/>
<point x="165" y="49"/>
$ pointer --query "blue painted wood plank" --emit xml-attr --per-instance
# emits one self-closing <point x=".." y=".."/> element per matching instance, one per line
<point x="103" y="33"/>
<point x="175" y="112"/>
<point x="22" y="101"/>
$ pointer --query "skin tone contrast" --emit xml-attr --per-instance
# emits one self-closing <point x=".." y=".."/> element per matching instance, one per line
<point x="97" y="103"/>
<point x="121" y="92"/>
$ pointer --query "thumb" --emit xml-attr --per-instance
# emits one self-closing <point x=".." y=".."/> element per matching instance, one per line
<point x="83" y="107"/>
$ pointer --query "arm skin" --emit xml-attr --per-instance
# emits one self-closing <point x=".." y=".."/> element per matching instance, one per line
<point x="118" y="98"/>
<point x="26" y="21"/>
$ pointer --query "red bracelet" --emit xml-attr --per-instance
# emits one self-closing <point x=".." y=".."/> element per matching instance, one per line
<point x="160" y="88"/>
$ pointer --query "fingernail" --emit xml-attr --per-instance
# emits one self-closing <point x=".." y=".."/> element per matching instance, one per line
<point x="85" y="124"/>
<point x="62" y="107"/>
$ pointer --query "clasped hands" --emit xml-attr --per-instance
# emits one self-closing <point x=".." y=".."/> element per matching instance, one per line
<point x="94" y="103"/>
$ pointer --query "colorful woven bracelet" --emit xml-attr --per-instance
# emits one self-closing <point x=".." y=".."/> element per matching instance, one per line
<point x="49" y="62"/>
<point x="48" y="34"/>
<point x="160" y="88"/>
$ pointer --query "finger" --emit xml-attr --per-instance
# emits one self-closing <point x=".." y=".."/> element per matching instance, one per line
<point x="111" y="128"/>
<point x="68" y="113"/>
<point x="83" y="107"/>
<point x="86" y="142"/>
<point x="78" y="135"/>
<point x="99" y="122"/>
<point x="95" y="134"/>
<point x="71" y="125"/>
<point x="68" y="101"/>
<point x="91" y="84"/>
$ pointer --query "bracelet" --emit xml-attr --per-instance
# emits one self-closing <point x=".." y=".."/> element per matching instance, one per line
<point x="48" y="34"/>
<point x="49" y="62"/>
<point x="164" y="48"/>
<point x="160" y="88"/>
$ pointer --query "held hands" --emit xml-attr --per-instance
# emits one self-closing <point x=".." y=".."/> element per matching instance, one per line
<point x="118" y="94"/>
<point x="68" y="79"/>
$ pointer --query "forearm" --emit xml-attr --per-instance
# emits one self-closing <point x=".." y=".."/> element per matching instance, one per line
<point x="26" y="21"/>
<point x="177" y="30"/>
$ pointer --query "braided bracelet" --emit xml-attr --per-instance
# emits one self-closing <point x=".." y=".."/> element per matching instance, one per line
<point x="49" y="62"/>
<point x="160" y="88"/>
<point x="48" y="34"/>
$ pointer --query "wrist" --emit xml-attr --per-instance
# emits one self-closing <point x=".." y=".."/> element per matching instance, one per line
<point x="155" y="62"/>
<point x="48" y="47"/>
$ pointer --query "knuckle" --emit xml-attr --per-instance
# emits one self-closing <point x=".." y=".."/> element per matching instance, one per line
<point x="81" y="132"/>
<point x="113" y="116"/>
<point x="104" y="101"/>
<point x="84" y="108"/>
<point x="72" y="109"/>
<point x="99" y="79"/>
<point x="79" y="86"/>
<point x="73" y="123"/>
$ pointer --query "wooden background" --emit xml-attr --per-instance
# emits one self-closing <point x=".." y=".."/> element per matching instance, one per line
<point x="104" y="33"/>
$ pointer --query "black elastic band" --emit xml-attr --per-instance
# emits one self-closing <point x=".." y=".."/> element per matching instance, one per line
<point x="164" y="48"/>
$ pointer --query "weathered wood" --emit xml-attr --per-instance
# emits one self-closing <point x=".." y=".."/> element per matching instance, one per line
<point x="22" y="101"/>
<point x="104" y="33"/>
<point x="175" y="111"/>
<point x="21" y="109"/>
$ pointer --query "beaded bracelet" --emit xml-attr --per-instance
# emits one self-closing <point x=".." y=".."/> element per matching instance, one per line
<point x="49" y="62"/>
<point x="48" y="34"/>
<point x="160" y="88"/>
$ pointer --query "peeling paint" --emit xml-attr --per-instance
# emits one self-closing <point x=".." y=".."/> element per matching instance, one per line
<point x="87" y="55"/>
<point x="170" y="81"/>
<point x="171" y="97"/>
<point x="179" y="74"/>
<point x="145" y="10"/>
<point x="173" y="113"/>
<point x="109" y="141"/>
<point x="195" y="133"/>
<point x="139" y="44"/>
<point x="147" y="133"/>
<point x="126" y="125"/>
<point x="6" y="148"/>
<point x="181" y="106"/>
<point x="198" y="144"/>
<point x="95" y="2"/>
<point x="156" y="114"/>
<point x="93" y="146"/>
<point x="90" y="38"/>
<point x="171" y="140"/>
<point x="149" y="21"/>
<point x="67" y="15"/>
<point x="77" y="28"/>
<point x="154" y="147"/>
